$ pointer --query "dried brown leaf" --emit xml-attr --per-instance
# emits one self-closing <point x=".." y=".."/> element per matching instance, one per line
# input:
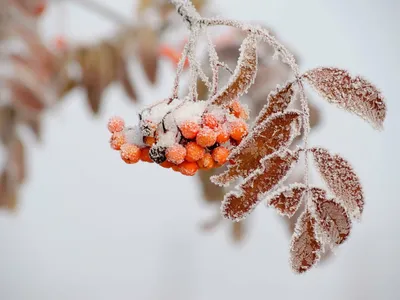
<point x="354" y="94"/>
<point x="8" y="119"/>
<point x="331" y="216"/>
<point x="148" y="52"/>
<point x="273" y="170"/>
<point x="305" y="249"/>
<point x="287" y="200"/>
<point x="25" y="97"/>
<point x="341" y="180"/>
<point x="270" y="136"/>
<point x="277" y="101"/>
<point x="17" y="151"/>
<point x="244" y="74"/>
<point x="125" y="79"/>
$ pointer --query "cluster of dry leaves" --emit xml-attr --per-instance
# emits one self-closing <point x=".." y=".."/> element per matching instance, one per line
<point x="38" y="76"/>
<point x="261" y="163"/>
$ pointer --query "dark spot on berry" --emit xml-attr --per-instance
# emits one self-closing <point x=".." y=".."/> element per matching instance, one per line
<point x="213" y="147"/>
<point x="157" y="154"/>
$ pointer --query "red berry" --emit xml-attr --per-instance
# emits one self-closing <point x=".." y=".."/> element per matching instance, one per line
<point x="238" y="129"/>
<point x="223" y="136"/>
<point x="130" y="153"/>
<point x="144" y="155"/>
<point x="194" y="152"/>
<point x="206" y="137"/>
<point x="189" y="129"/>
<point x="220" y="155"/>
<point x="176" y="154"/>
<point x="188" y="168"/>
<point x="206" y="162"/>
<point x="115" y="124"/>
<point x="117" y="140"/>
<point x="210" y="121"/>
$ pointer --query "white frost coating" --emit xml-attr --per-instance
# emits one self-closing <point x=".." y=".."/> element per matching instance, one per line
<point x="134" y="136"/>
<point x="166" y="139"/>
<point x="288" y="193"/>
<point x="156" y="112"/>
<point x="190" y="110"/>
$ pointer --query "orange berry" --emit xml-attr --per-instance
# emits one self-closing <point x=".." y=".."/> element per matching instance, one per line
<point x="194" y="152"/>
<point x="189" y="129"/>
<point x="39" y="9"/>
<point x="60" y="43"/>
<point x="210" y="120"/>
<point x="223" y="136"/>
<point x="167" y="164"/>
<point x="175" y="168"/>
<point x="144" y="155"/>
<point x="130" y="153"/>
<point x="237" y="110"/>
<point x="176" y="154"/>
<point x="206" y="137"/>
<point x="149" y="140"/>
<point x="188" y="168"/>
<point x="206" y="162"/>
<point x="117" y="140"/>
<point x="238" y="129"/>
<point x="220" y="155"/>
<point x="115" y="124"/>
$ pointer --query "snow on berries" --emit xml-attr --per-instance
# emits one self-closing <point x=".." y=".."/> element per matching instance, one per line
<point x="180" y="134"/>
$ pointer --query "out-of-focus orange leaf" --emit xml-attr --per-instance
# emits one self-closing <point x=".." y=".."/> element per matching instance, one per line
<point x="148" y="50"/>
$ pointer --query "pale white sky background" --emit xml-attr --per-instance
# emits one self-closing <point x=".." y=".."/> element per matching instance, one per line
<point x="92" y="228"/>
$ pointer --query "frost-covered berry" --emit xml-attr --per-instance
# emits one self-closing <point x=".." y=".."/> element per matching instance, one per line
<point x="188" y="168"/>
<point x="115" y="124"/>
<point x="130" y="153"/>
<point x="222" y="135"/>
<point x="194" y="152"/>
<point x="238" y="129"/>
<point x="117" y="140"/>
<point x="157" y="154"/>
<point x="210" y="121"/>
<point x="189" y="129"/>
<point x="206" y="137"/>
<point x="166" y="164"/>
<point x="144" y="155"/>
<point x="176" y="154"/>
<point x="238" y="110"/>
<point x="220" y="155"/>
<point x="149" y="140"/>
<point x="206" y="162"/>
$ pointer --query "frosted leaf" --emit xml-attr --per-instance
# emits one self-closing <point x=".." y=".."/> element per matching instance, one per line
<point x="331" y="216"/>
<point x="305" y="249"/>
<point x="244" y="74"/>
<point x="341" y="179"/>
<point x="287" y="199"/>
<point x="273" y="134"/>
<point x="273" y="170"/>
<point x="354" y="94"/>
<point x="277" y="101"/>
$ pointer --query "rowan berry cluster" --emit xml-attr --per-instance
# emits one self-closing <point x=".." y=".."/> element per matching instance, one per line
<point x="182" y="135"/>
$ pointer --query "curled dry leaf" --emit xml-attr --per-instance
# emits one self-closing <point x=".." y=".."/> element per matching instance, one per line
<point x="331" y="216"/>
<point x="17" y="152"/>
<point x="273" y="170"/>
<point x="8" y="118"/>
<point x="277" y="101"/>
<point x="25" y="97"/>
<point x="341" y="180"/>
<point x="125" y="79"/>
<point x="244" y="74"/>
<point x="354" y="94"/>
<point x="273" y="134"/>
<point x="287" y="200"/>
<point x="148" y="52"/>
<point x="305" y="249"/>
